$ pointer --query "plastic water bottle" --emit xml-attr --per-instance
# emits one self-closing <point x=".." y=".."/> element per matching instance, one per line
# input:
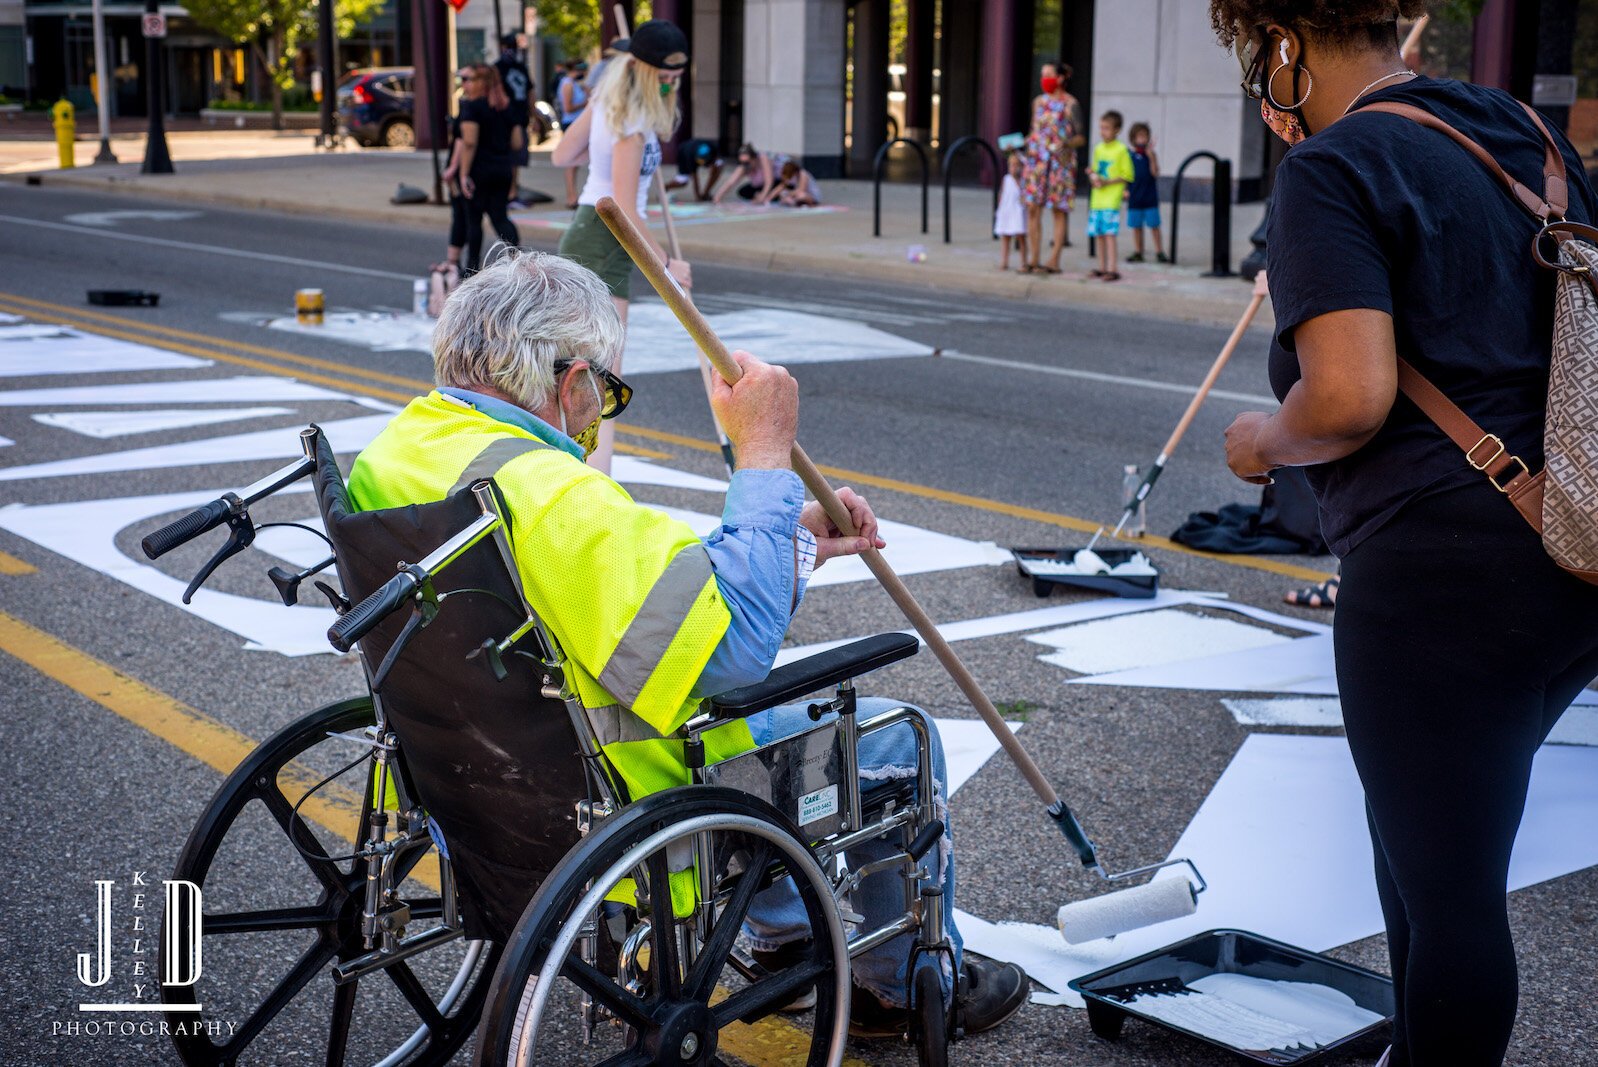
<point x="1131" y="479"/>
<point x="419" y="296"/>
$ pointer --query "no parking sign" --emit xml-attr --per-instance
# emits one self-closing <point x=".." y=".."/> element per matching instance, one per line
<point x="154" y="23"/>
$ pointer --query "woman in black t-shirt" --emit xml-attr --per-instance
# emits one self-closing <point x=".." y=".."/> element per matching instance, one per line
<point x="490" y="141"/>
<point x="1459" y="642"/>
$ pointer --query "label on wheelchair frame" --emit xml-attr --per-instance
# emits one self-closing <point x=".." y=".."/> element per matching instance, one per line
<point x="818" y="805"/>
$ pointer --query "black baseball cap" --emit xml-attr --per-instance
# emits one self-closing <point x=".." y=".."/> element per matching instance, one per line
<point x="656" y="42"/>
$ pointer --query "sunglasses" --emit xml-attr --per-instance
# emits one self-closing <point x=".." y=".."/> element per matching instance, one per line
<point x="614" y="397"/>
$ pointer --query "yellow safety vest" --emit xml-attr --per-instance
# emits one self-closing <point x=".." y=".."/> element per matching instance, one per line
<point x="626" y="590"/>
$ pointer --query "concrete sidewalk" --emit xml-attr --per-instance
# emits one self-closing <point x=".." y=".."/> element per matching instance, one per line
<point x="281" y="172"/>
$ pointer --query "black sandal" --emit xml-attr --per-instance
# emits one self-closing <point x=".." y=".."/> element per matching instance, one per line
<point x="1315" y="596"/>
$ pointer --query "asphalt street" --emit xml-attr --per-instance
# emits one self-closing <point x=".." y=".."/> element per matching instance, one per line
<point x="1015" y="432"/>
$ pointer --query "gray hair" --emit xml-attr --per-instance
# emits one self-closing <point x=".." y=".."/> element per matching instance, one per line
<point x="508" y="324"/>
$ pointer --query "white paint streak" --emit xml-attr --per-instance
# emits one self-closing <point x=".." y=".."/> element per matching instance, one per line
<point x="1148" y="638"/>
<point x="108" y="424"/>
<point x="192" y="391"/>
<point x="37" y="351"/>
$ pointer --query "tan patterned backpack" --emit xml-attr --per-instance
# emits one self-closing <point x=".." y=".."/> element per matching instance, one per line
<point x="1561" y="500"/>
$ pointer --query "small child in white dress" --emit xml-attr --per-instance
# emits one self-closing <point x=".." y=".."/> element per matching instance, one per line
<point x="1009" y="221"/>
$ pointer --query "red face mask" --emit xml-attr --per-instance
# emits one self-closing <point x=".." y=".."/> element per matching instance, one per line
<point x="1050" y="83"/>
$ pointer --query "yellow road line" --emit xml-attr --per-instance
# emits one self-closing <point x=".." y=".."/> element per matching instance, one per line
<point x="925" y="492"/>
<point x="768" y="1043"/>
<point x="10" y="564"/>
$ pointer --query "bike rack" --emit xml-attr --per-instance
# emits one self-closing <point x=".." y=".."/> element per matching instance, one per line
<point x="948" y="157"/>
<point x="1221" y="215"/>
<point x="876" y="182"/>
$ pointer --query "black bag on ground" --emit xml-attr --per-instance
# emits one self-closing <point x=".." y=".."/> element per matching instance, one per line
<point x="1286" y="522"/>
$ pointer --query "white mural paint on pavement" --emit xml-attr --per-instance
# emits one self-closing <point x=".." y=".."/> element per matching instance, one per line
<point x="39" y="350"/>
<point x="190" y="391"/>
<point x="1147" y="638"/>
<point x="656" y="343"/>
<point x="1283" y="842"/>
<point x="85" y="532"/>
<point x="108" y="424"/>
<point x="1578" y="726"/>
<point x="344" y="435"/>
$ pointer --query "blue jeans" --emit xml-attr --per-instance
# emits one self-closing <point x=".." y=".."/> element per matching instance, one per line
<point x="776" y="917"/>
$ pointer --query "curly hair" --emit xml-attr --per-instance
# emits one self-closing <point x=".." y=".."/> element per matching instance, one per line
<point x="1332" y="20"/>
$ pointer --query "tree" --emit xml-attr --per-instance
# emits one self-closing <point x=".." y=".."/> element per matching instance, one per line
<point x="575" y="23"/>
<point x="275" y="30"/>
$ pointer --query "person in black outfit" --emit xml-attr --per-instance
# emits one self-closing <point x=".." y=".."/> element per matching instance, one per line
<point x="518" y="83"/>
<point x="1459" y="642"/>
<point x="490" y="139"/>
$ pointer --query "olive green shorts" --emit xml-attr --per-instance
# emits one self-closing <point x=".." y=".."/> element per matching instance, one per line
<point x="589" y="241"/>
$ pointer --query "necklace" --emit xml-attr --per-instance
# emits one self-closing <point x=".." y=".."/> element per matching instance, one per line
<point x="1378" y="81"/>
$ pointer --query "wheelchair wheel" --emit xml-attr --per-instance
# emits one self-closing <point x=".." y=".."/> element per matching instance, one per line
<point x="929" y="1018"/>
<point x="275" y="920"/>
<point x="679" y="1002"/>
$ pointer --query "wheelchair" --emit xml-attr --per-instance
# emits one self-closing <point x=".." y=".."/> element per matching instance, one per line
<point x="474" y="865"/>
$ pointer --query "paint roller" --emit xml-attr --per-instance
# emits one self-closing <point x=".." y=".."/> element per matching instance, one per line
<point x="1087" y="559"/>
<point x="1141" y="908"/>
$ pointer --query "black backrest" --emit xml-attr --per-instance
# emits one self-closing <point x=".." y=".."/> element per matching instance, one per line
<point x="495" y="762"/>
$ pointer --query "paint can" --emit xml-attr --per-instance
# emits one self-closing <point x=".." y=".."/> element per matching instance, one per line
<point x="308" y="306"/>
<point x="419" y="290"/>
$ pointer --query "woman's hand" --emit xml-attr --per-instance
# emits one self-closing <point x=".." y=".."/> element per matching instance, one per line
<point x="1242" y="448"/>
<point x="682" y="271"/>
<point x="468" y="187"/>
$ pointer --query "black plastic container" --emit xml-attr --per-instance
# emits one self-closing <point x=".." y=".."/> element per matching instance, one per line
<point x="1137" y="586"/>
<point x="115" y="298"/>
<point x="1234" y="952"/>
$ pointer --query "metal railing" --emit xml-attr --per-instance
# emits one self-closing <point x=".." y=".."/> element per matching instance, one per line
<point x="948" y="158"/>
<point x="1221" y="213"/>
<point x="876" y="182"/>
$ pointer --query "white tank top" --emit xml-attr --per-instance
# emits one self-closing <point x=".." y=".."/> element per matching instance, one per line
<point x="602" y="149"/>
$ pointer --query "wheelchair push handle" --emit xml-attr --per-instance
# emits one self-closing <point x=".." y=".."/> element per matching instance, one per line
<point x="190" y="526"/>
<point x="364" y="617"/>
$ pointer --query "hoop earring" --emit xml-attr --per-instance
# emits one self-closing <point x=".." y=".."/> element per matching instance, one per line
<point x="1270" y="94"/>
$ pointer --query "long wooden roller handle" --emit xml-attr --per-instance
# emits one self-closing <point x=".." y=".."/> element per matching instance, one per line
<point x="643" y="254"/>
<point x="1215" y="372"/>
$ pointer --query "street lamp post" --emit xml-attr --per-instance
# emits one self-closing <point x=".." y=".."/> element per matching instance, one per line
<point x="326" y="57"/>
<point x="157" y="160"/>
<point x="105" y="83"/>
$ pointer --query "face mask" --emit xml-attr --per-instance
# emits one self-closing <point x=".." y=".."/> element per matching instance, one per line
<point x="588" y="437"/>
<point x="1285" y="124"/>
<point x="1050" y="84"/>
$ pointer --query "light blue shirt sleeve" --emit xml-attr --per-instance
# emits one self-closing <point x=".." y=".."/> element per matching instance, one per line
<point x="752" y="554"/>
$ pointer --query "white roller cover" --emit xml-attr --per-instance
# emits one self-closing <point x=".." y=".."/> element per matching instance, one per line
<point x="1116" y="913"/>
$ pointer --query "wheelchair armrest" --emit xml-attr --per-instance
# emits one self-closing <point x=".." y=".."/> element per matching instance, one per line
<point x="794" y="680"/>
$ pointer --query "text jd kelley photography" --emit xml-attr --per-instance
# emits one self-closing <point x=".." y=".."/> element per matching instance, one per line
<point x="126" y="926"/>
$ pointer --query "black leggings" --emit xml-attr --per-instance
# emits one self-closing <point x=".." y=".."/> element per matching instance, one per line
<point x="1459" y="645"/>
<point x="491" y="194"/>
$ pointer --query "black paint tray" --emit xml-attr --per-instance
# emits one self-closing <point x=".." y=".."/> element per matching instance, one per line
<point x="1135" y="586"/>
<point x="1168" y="970"/>
<point x="114" y="298"/>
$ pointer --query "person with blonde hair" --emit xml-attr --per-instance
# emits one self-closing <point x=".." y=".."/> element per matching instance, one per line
<point x="631" y="108"/>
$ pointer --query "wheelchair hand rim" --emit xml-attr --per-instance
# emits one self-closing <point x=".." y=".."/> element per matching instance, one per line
<point x="632" y="858"/>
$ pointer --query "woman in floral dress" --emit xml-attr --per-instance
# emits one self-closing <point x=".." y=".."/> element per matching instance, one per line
<point x="1048" y="177"/>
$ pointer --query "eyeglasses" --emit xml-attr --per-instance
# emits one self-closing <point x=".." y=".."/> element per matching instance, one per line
<point x="1250" y="54"/>
<point x="614" y="397"/>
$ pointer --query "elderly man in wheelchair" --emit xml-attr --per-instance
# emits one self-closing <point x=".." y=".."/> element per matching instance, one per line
<point x="627" y="797"/>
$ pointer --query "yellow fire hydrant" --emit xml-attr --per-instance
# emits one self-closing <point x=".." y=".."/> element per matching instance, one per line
<point x="66" y="131"/>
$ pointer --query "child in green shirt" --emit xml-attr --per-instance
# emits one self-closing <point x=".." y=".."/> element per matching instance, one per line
<point x="1109" y="175"/>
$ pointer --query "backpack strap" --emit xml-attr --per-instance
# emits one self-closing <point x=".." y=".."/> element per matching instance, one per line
<point x="1555" y="198"/>
<point x="1484" y="451"/>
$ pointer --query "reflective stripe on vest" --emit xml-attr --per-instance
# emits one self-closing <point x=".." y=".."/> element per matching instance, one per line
<point x="494" y="456"/>
<point x="664" y="611"/>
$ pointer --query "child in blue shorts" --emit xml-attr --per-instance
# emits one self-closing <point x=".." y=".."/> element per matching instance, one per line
<point x="1143" y="198"/>
<point x="1110" y="175"/>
